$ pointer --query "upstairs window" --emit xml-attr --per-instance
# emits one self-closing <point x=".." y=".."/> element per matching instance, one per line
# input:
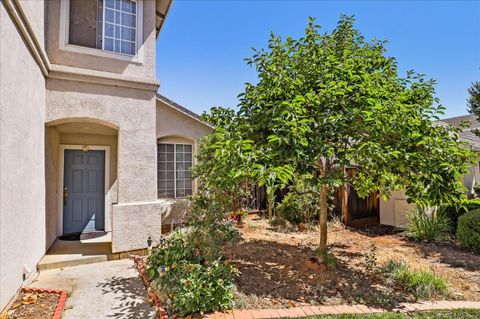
<point x="120" y="26"/>
<point x="108" y="25"/>
<point x="174" y="170"/>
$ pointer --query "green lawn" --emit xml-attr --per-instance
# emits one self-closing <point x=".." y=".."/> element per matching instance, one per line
<point x="437" y="314"/>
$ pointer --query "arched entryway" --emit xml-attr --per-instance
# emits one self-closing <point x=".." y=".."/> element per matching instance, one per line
<point x="80" y="175"/>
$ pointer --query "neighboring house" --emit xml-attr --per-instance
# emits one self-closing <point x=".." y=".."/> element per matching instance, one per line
<point x="392" y="212"/>
<point x="86" y="143"/>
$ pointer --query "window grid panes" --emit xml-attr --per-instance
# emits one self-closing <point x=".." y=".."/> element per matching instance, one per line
<point x="174" y="170"/>
<point x="120" y="26"/>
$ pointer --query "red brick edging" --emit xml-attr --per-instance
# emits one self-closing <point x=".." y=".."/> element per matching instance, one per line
<point x="62" y="299"/>
<point x="140" y="265"/>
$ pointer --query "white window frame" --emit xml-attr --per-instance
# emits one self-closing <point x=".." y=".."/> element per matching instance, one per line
<point x="64" y="32"/>
<point x="175" y="168"/>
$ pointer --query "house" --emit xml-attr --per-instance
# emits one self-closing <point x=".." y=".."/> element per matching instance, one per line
<point x="392" y="212"/>
<point x="87" y="145"/>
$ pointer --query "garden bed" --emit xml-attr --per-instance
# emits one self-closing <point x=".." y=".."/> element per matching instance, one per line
<point x="35" y="303"/>
<point x="274" y="274"/>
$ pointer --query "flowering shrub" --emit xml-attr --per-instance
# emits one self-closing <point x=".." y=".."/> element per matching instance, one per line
<point x="197" y="288"/>
<point x="187" y="267"/>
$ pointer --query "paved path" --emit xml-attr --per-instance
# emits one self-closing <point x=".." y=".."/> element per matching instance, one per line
<point x="299" y="312"/>
<point x="109" y="289"/>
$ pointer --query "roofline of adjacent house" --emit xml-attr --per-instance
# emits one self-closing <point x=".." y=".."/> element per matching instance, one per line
<point x="177" y="107"/>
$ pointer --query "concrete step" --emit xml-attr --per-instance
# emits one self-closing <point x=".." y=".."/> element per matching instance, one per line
<point x="72" y="253"/>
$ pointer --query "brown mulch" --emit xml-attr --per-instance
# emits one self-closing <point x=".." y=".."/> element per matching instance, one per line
<point x="33" y="305"/>
<point x="273" y="270"/>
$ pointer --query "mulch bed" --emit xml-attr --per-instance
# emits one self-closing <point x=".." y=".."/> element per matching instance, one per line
<point x="274" y="273"/>
<point x="35" y="303"/>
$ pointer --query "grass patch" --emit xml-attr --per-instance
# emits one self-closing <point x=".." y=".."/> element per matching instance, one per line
<point x="434" y="314"/>
<point x="421" y="284"/>
<point x="424" y="226"/>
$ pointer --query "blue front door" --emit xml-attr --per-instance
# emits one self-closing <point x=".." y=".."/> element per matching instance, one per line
<point x="84" y="191"/>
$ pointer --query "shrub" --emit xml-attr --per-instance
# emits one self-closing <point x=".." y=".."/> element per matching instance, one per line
<point x="423" y="226"/>
<point x="184" y="272"/>
<point x="177" y="247"/>
<point x="297" y="208"/>
<point x="421" y="284"/>
<point x="196" y="288"/>
<point x="468" y="230"/>
<point x="300" y="203"/>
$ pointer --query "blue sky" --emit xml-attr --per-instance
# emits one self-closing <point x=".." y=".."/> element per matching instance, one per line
<point x="202" y="45"/>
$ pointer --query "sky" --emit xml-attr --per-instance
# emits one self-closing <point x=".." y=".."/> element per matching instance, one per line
<point x="203" y="44"/>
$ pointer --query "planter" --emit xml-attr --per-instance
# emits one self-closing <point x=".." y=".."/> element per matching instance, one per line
<point x="62" y="298"/>
<point x="154" y="297"/>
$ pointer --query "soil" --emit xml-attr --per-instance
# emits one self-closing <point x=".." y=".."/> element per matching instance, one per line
<point x="33" y="305"/>
<point x="274" y="271"/>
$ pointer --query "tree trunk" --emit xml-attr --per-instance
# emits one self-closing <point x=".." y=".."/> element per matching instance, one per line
<point x="323" y="218"/>
<point x="270" y="210"/>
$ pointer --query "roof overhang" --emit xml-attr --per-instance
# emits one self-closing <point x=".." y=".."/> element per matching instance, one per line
<point x="161" y="11"/>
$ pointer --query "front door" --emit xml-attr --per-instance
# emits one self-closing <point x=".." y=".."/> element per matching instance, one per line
<point x="84" y="191"/>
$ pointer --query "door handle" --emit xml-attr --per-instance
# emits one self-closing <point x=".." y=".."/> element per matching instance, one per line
<point x="65" y="195"/>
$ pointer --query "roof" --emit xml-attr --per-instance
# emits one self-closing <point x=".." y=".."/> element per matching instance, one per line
<point x="467" y="134"/>
<point x="161" y="11"/>
<point x="182" y="109"/>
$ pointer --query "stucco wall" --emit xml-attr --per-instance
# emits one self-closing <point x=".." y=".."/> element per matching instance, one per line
<point x="134" y="223"/>
<point x="52" y="143"/>
<point x="121" y="68"/>
<point x="22" y="165"/>
<point x="35" y="13"/>
<point x="392" y="212"/>
<point x="132" y="111"/>
<point x="171" y="122"/>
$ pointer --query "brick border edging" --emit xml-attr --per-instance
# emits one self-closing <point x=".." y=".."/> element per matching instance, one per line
<point x="62" y="299"/>
<point x="140" y="265"/>
<point x="307" y="311"/>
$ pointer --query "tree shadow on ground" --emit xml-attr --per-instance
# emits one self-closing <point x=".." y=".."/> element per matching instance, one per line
<point x="376" y="230"/>
<point x="130" y="298"/>
<point x="279" y="271"/>
<point x="448" y="253"/>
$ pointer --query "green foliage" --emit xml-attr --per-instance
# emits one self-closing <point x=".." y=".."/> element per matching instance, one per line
<point x="421" y="284"/>
<point x="188" y="272"/>
<point x="428" y="226"/>
<point x="468" y="230"/>
<point x="331" y="100"/>
<point x="473" y="100"/>
<point x="300" y="205"/>
<point x="177" y="247"/>
<point x="326" y="257"/>
<point x="198" y="288"/>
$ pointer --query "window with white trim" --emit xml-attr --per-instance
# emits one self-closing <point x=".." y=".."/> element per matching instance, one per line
<point x="174" y="170"/>
<point x="108" y="25"/>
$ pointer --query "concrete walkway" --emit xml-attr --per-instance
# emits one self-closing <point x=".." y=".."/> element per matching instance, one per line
<point x="110" y="289"/>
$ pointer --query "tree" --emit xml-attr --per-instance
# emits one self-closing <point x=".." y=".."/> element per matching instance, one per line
<point x="327" y="102"/>
<point x="473" y="100"/>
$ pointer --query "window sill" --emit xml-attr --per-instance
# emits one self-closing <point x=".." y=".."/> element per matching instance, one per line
<point x="104" y="54"/>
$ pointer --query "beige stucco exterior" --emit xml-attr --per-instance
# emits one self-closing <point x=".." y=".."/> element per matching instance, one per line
<point x="393" y="211"/>
<point x="22" y="169"/>
<point x="53" y="98"/>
